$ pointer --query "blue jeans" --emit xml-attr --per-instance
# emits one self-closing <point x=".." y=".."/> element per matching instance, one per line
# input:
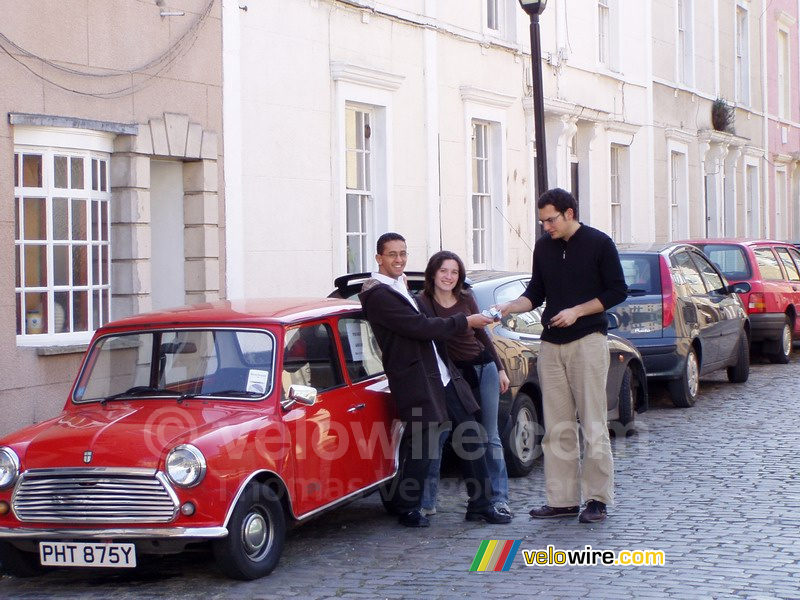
<point x="488" y="396"/>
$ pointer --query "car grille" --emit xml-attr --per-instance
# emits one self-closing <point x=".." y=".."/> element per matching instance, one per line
<point x="94" y="495"/>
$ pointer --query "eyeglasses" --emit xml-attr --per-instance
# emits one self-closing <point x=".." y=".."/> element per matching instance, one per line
<point x="394" y="255"/>
<point x="550" y="220"/>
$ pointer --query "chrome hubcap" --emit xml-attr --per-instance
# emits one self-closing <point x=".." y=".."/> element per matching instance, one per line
<point x="525" y="435"/>
<point x="787" y="340"/>
<point x="692" y="375"/>
<point x="254" y="533"/>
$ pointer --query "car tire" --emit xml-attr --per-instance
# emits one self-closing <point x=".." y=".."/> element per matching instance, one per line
<point x="523" y="443"/>
<point x="739" y="372"/>
<point x="626" y="403"/>
<point x="684" y="390"/>
<point x="784" y="348"/>
<point x="17" y="563"/>
<point x="390" y="489"/>
<point x="256" y="532"/>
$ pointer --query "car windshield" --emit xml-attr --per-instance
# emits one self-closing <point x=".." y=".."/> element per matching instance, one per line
<point x="180" y="363"/>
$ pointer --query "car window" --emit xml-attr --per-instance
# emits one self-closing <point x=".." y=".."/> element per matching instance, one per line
<point x="788" y="264"/>
<point x="362" y="355"/>
<point x="528" y="323"/>
<point x="711" y="278"/>
<point x="309" y="358"/>
<point x="641" y="272"/>
<point x="209" y="362"/>
<point x="509" y="291"/>
<point x="768" y="264"/>
<point x="796" y="256"/>
<point x="731" y="260"/>
<point x="686" y="275"/>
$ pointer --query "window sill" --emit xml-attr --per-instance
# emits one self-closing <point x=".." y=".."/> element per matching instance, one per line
<point x="55" y="350"/>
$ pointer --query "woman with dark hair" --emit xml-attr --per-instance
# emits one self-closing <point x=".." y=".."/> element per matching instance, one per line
<point x="473" y="353"/>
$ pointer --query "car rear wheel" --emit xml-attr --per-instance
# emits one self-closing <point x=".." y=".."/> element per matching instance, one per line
<point x="739" y="372"/>
<point x="627" y="398"/>
<point x="18" y="563"/>
<point x="256" y="532"/>
<point x="523" y="442"/>
<point x="684" y="389"/>
<point x="784" y="350"/>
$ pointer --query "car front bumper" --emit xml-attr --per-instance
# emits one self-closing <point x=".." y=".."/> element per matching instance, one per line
<point x="110" y="533"/>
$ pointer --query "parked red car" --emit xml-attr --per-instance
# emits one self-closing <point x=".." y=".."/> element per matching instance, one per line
<point x="773" y="271"/>
<point x="218" y="423"/>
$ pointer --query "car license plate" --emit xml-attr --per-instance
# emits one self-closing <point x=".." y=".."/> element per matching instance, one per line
<point x="82" y="554"/>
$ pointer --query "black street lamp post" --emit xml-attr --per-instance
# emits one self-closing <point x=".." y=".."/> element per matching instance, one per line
<point x="534" y="8"/>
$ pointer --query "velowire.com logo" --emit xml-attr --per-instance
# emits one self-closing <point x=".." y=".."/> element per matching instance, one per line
<point x="495" y="555"/>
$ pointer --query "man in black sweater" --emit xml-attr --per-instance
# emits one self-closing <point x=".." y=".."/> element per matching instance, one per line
<point x="576" y="269"/>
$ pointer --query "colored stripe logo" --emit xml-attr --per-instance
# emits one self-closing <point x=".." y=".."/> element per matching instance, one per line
<point x="495" y="555"/>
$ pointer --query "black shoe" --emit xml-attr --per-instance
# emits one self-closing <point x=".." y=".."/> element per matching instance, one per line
<point x="490" y="515"/>
<point x="594" y="512"/>
<point x="554" y="512"/>
<point x="413" y="518"/>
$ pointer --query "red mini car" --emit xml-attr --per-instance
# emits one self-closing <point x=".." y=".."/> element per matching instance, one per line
<point x="218" y="423"/>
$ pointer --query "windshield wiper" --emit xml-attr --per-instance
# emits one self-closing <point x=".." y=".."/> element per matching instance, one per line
<point x="636" y="292"/>
<point x="139" y="390"/>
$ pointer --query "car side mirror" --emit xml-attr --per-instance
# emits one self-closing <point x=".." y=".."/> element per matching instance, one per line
<point x="741" y="287"/>
<point x="299" y="394"/>
<point x="613" y="320"/>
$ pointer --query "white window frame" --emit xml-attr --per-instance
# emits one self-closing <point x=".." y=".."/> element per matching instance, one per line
<point x="370" y="90"/>
<point x="780" y="230"/>
<point x="490" y="108"/>
<point x="615" y="188"/>
<point x="359" y="199"/>
<point x="481" y="193"/>
<point x="784" y="69"/>
<point x="678" y="176"/>
<point x="603" y="32"/>
<point x="56" y="315"/>
<point x="684" y="42"/>
<point x="742" y="54"/>
<point x="752" y="221"/>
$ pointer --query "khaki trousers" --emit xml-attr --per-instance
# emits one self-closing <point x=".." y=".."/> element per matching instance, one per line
<point x="573" y="380"/>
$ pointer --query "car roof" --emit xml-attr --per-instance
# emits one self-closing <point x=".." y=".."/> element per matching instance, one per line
<point x="245" y="311"/>
<point x="656" y="247"/>
<point x="744" y="241"/>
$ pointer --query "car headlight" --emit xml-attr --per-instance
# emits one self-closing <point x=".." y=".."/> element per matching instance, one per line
<point x="186" y="465"/>
<point x="9" y="467"/>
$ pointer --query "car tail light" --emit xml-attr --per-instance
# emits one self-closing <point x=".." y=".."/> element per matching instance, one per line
<point x="755" y="303"/>
<point x="667" y="295"/>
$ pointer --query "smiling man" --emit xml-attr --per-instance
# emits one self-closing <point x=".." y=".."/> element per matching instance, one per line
<point x="576" y="269"/>
<point x="427" y="389"/>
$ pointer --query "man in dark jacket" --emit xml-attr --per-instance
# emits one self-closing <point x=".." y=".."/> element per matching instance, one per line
<point x="426" y="389"/>
<point x="576" y="269"/>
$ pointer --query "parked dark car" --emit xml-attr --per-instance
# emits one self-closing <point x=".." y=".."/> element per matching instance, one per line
<point x="684" y="317"/>
<point x="516" y="340"/>
<point x="773" y="271"/>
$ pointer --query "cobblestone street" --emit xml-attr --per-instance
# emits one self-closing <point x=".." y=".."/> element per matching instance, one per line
<point x="716" y="487"/>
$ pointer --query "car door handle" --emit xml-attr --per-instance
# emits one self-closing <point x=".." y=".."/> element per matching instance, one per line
<point x="353" y="409"/>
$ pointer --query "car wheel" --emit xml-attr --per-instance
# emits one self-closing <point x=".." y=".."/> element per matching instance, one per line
<point x="684" y="389"/>
<point x="18" y="563"/>
<point x="627" y="398"/>
<point x="390" y="489"/>
<point x="784" y="353"/>
<point x="523" y="442"/>
<point x="739" y="372"/>
<point x="256" y="531"/>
